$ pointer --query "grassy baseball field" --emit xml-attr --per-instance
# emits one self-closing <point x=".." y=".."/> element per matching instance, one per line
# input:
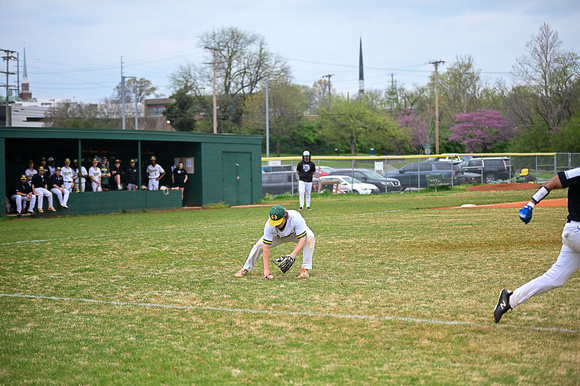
<point x="401" y="292"/>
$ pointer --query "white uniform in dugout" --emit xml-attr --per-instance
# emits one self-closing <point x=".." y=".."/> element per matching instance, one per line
<point x="154" y="172"/>
<point x="293" y="231"/>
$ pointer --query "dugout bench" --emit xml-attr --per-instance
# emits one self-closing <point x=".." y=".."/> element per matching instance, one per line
<point x="435" y="180"/>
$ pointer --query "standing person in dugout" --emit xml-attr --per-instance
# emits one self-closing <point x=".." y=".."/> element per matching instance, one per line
<point x="568" y="261"/>
<point x="179" y="178"/>
<point x="305" y="170"/>
<point x="281" y="227"/>
<point x="154" y="172"/>
<point x="132" y="175"/>
<point x="105" y="174"/>
<point x="68" y="175"/>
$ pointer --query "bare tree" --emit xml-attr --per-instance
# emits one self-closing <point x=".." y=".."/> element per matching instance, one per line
<point x="242" y="63"/>
<point x="548" y="75"/>
<point x="143" y="86"/>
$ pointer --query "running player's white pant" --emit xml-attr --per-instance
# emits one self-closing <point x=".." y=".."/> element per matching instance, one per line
<point x="41" y="194"/>
<point x="69" y="185"/>
<point x="62" y="197"/>
<point x="19" y="199"/>
<point x="568" y="262"/>
<point x="304" y="188"/>
<point x="153" y="184"/>
<point x="307" y="251"/>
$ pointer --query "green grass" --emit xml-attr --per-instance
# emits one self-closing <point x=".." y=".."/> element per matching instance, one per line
<point x="386" y="269"/>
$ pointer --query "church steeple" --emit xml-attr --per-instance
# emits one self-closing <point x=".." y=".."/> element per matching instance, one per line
<point x="25" y="93"/>
<point x="361" y="73"/>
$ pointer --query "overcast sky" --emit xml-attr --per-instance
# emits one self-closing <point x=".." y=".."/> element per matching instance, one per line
<point x="74" y="48"/>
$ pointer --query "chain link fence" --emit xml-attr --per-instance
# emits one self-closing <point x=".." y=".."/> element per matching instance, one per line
<point x="413" y="172"/>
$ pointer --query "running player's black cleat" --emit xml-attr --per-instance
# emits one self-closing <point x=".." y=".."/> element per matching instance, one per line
<point x="503" y="305"/>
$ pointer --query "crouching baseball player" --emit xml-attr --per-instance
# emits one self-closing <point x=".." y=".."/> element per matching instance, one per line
<point x="282" y="227"/>
<point x="568" y="261"/>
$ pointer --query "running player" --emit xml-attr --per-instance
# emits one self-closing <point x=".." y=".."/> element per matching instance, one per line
<point x="282" y="227"/>
<point x="568" y="261"/>
<point x="305" y="170"/>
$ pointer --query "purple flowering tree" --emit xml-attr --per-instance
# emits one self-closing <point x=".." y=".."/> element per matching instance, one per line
<point x="482" y="130"/>
<point x="417" y="128"/>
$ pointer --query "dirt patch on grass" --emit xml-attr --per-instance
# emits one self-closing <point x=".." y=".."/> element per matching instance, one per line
<point x="512" y="186"/>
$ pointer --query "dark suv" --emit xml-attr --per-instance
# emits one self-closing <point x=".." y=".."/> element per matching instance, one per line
<point x="414" y="175"/>
<point x="276" y="183"/>
<point x="385" y="185"/>
<point x="496" y="168"/>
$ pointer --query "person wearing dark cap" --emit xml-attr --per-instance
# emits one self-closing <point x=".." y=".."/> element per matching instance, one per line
<point x="80" y="176"/>
<point x="282" y="226"/>
<point x="40" y="188"/>
<point x="68" y="175"/>
<point x="31" y="171"/>
<point x="116" y="175"/>
<point x="154" y="172"/>
<point x="56" y="184"/>
<point x="132" y="175"/>
<point x="305" y="170"/>
<point x="95" y="175"/>
<point x="23" y="193"/>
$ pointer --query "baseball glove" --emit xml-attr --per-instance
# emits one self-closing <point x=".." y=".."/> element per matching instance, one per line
<point x="285" y="262"/>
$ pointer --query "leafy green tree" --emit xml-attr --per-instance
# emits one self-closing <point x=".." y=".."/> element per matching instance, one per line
<point x="143" y="86"/>
<point x="353" y="123"/>
<point x="287" y="104"/>
<point x="182" y="112"/>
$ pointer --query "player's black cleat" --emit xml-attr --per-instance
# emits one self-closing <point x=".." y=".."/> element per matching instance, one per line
<point x="503" y="305"/>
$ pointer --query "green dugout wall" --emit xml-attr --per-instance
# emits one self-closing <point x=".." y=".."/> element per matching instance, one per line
<point x="221" y="167"/>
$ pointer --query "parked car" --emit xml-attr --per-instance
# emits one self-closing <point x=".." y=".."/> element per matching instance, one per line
<point x="494" y="168"/>
<point x="354" y="184"/>
<point x="275" y="183"/>
<point x="414" y="175"/>
<point x="322" y="171"/>
<point x="371" y="177"/>
<point x="450" y="157"/>
<point x="276" y="168"/>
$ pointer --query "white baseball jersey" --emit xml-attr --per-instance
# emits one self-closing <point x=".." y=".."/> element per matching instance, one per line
<point x="83" y="171"/>
<point x="95" y="172"/>
<point x="29" y="172"/>
<point x="154" y="171"/>
<point x="295" y="228"/>
<point x="67" y="174"/>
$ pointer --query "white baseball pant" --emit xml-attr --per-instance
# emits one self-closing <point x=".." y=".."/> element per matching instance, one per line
<point x="19" y="199"/>
<point x="41" y="194"/>
<point x="307" y="251"/>
<point x="565" y="266"/>
<point x="304" y="188"/>
<point x="153" y="184"/>
<point x="69" y="185"/>
<point x="62" y="197"/>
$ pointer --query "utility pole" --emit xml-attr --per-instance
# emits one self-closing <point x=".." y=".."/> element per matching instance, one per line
<point x="123" y="95"/>
<point x="436" y="63"/>
<point x="329" y="98"/>
<point x="8" y="57"/>
<point x="267" y="123"/>
<point x="214" y="50"/>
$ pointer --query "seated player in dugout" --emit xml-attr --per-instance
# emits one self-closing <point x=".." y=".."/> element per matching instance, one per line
<point x="282" y="227"/>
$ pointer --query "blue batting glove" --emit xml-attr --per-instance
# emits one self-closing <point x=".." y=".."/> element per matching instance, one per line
<point x="526" y="214"/>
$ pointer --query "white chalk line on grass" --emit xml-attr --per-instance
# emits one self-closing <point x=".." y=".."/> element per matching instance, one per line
<point x="292" y="313"/>
<point x="169" y="230"/>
